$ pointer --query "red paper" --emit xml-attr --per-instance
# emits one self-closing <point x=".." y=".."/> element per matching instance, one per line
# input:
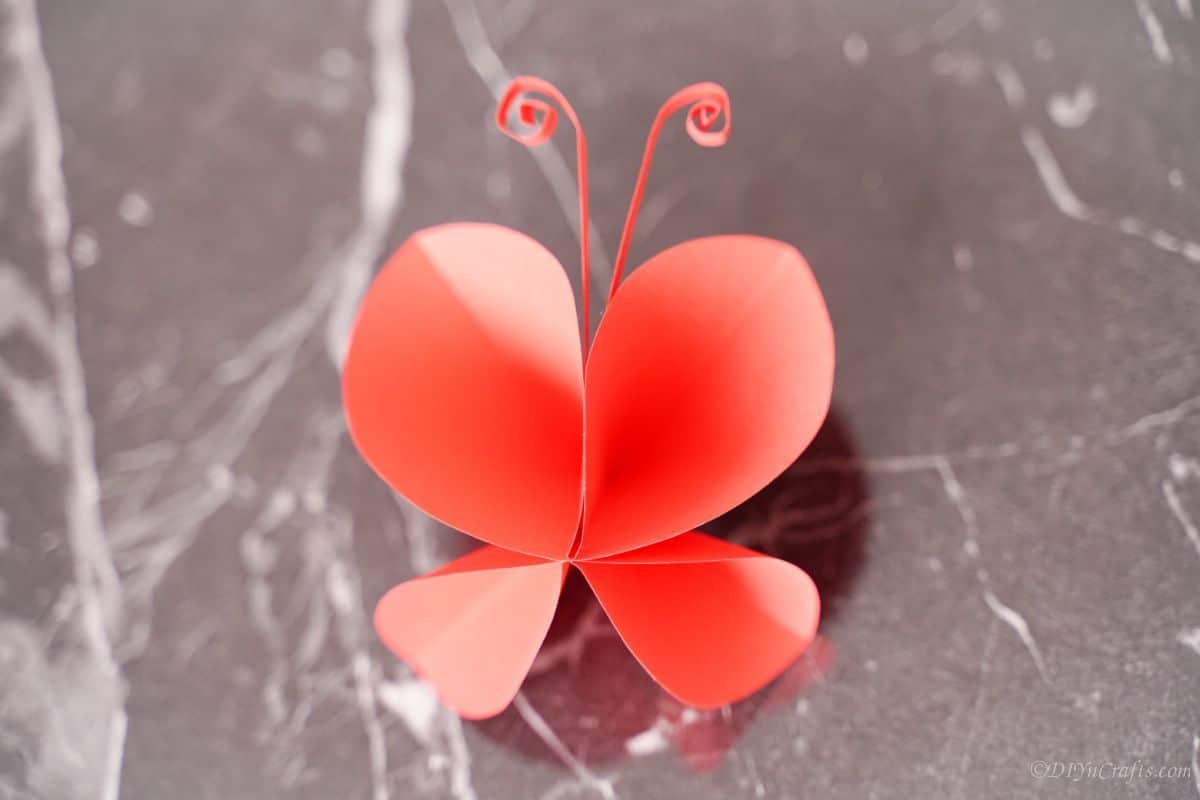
<point x="464" y="383"/>
<point x="465" y="389"/>
<point x="474" y="626"/>
<point x="711" y="372"/>
<point x="709" y="620"/>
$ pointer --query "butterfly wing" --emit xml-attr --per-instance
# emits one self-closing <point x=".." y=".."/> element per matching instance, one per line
<point x="711" y="372"/>
<point x="711" y="621"/>
<point x="473" y="627"/>
<point x="463" y="385"/>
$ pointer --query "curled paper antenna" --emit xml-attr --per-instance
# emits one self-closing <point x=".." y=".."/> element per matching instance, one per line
<point x="539" y="119"/>
<point x="709" y="105"/>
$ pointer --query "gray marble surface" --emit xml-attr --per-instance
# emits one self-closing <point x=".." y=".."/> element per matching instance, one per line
<point x="999" y="198"/>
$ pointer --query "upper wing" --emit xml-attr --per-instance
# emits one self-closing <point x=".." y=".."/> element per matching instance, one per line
<point x="711" y="372"/>
<point x="473" y="627"/>
<point x="711" y="621"/>
<point x="463" y="385"/>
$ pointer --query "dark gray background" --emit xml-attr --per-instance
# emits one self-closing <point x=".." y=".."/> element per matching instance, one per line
<point x="999" y="198"/>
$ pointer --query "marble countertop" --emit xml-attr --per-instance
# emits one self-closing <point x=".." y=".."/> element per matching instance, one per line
<point x="1000" y="198"/>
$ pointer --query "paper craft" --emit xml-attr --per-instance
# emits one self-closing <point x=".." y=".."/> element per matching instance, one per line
<point x="466" y="388"/>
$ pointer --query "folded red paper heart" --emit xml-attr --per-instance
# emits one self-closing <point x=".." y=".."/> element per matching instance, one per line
<point x="466" y="388"/>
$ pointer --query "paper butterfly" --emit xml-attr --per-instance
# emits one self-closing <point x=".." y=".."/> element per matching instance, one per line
<point x="466" y="389"/>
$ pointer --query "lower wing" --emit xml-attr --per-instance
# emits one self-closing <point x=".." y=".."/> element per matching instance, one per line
<point x="710" y="621"/>
<point x="473" y="627"/>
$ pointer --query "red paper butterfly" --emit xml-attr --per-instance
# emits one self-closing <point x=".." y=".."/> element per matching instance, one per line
<point x="466" y="389"/>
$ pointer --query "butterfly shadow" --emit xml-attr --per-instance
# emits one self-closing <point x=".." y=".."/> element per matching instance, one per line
<point x="588" y="689"/>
